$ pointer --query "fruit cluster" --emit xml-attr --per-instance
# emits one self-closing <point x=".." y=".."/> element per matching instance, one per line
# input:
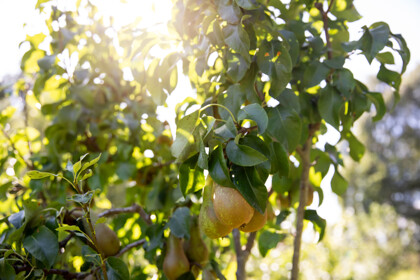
<point x="224" y="209"/>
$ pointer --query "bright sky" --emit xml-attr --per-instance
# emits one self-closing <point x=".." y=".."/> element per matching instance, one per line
<point x="402" y="17"/>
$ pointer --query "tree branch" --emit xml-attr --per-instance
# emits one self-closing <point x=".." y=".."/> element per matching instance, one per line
<point x="242" y="254"/>
<point x="135" y="208"/>
<point x="63" y="243"/>
<point x="305" y="154"/>
<point x="64" y="273"/>
<point x="130" y="246"/>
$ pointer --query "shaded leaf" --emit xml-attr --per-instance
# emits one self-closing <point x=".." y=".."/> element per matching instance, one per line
<point x="268" y="240"/>
<point x="191" y="176"/>
<point x="218" y="169"/>
<point x="180" y="223"/>
<point x="117" y="269"/>
<point x="339" y="184"/>
<point x="256" y="113"/>
<point x="318" y="222"/>
<point x="329" y="106"/>
<point x="184" y="144"/>
<point x="249" y="184"/>
<point x="377" y="99"/>
<point x="43" y="245"/>
<point x="243" y="155"/>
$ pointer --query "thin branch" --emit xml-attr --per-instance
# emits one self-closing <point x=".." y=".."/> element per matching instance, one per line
<point x="26" y="119"/>
<point x="250" y="242"/>
<point x="259" y="93"/>
<point x="130" y="246"/>
<point x="305" y="154"/>
<point x="325" y="19"/>
<point x="63" y="243"/>
<point x="135" y="208"/>
<point x="64" y="273"/>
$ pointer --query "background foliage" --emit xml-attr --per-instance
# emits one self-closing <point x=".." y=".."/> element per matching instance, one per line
<point x="277" y="75"/>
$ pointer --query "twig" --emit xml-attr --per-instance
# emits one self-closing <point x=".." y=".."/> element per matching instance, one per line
<point x="130" y="246"/>
<point x="135" y="208"/>
<point x="26" y="119"/>
<point x="305" y="154"/>
<point x="324" y="15"/>
<point x="63" y="243"/>
<point x="64" y="273"/>
<point x="259" y="93"/>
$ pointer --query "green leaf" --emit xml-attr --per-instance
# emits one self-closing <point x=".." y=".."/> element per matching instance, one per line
<point x="344" y="81"/>
<point x="339" y="184"/>
<point x="243" y="155"/>
<point x="335" y="63"/>
<point x="89" y="163"/>
<point x="68" y="227"/>
<point x="237" y="66"/>
<point x="43" y="245"/>
<point x="76" y="167"/>
<point x="329" y="106"/>
<point x="256" y="113"/>
<point x="87" y="175"/>
<point x="403" y="51"/>
<point x="191" y="176"/>
<point x="218" y="169"/>
<point x="227" y="131"/>
<point x="392" y="78"/>
<point x="314" y="74"/>
<point x="377" y="99"/>
<point x="237" y="39"/>
<point x="46" y="62"/>
<point x="279" y="159"/>
<point x="249" y="184"/>
<point x="82" y="198"/>
<point x="357" y="149"/>
<point x="232" y="99"/>
<point x="184" y="145"/>
<point x="284" y="125"/>
<point x="247" y="4"/>
<point x="374" y="39"/>
<point x="69" y="167"/>
<point x="290" y="38"/>
<point x="268" y="240"/>
<point x="385" y="58"/>
<point x="180" y="223"/>
<point x="318" y="222"/>
<point x="274" y="60"/>
<point x="229" y="11"/>
<point x="33" y="174"/>
<point x="117" y="269"/>
<point x="7" y="271"/>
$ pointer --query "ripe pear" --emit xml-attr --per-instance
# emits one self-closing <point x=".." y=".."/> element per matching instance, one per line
<point x="207" y="220"/>
<point x="256" y="223"/>
<point x="196" y="249"/>
<point x="230" y="207"/>
<point x="175" y="262"/>
<point x="107" y="239"/>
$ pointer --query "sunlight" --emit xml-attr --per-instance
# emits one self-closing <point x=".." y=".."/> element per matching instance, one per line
<point x="153" y="14"/>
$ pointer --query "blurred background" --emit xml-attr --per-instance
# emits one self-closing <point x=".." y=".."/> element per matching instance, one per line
<point x="374" y="231"/>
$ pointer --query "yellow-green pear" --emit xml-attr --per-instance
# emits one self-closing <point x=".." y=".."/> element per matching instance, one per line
<point x="230" y="207"/>
<point x="107" y="240"/>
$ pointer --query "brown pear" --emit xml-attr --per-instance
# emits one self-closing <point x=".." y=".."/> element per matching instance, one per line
<point x="175" y="262"/>
<point x="257" y="222"/>
<point x="208" y="221"/>
<point x="196" y="249"/>
<point x="230" y="207"/>
<point x="107" y="240"/>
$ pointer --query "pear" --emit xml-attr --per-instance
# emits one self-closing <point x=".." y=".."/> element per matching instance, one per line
<point x="107" y="240"/>
<point x="175" y="262"/>
<point x="256" y="223"/>
<point x="230" y="207"/>
<point x="196" y="249"/>
<point x="207" y="220"/>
